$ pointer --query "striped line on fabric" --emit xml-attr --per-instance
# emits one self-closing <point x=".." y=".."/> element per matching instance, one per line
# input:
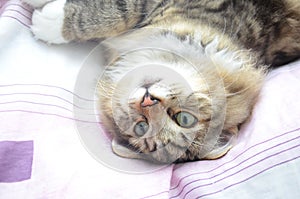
<point x="240" y="171"/>
<point x="253" y="155"/>
<point x="278" y="162"/>
<point x="46" y="86"/>
<point x="248" y="150"/>
<point x="36" y="103"/>
<point x="49" y="114"/>
<point x="44" y="100"/>
<point x="45" y="95"/>
<point x="16" y="10"/>
<point x="254" y="175"/>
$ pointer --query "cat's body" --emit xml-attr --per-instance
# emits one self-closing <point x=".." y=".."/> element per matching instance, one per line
<point x="187" y="73"/>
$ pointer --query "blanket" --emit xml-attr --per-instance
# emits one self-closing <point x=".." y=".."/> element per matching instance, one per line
<point x="44" y="105"/>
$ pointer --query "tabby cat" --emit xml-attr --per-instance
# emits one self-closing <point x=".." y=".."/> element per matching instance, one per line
<point x="183" y="75"/>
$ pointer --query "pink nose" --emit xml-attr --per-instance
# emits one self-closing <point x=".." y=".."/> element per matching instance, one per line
<point x="149" y="100"/>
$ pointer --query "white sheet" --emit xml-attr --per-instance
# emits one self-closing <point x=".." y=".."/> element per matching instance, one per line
<point x="41" y="155"/>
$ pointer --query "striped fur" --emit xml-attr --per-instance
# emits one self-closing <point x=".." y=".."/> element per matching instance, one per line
<point x="270" y="28"/>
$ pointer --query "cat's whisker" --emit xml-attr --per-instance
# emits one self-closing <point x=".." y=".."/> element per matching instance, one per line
<point x="238" y="92"/>
<point x="199" y="144"/>
<point x="239" y="27"/>
<point x="193" y="142"/>
<point x="294" y="7"/>
<point x="225" y="27"/>
<point x="231" y="30"/>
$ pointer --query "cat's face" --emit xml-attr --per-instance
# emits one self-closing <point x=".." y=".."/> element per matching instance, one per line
<point x="154" y="112"/>
<point x="163" y="108"/>
<point x="156" y="109"/>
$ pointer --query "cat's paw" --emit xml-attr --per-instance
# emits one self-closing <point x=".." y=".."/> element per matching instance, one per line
<point x="36" y="3"/>
<point x="47" y="23"/>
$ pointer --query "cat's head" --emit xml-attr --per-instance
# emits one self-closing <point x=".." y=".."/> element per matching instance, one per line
<point x="165" y="105"/>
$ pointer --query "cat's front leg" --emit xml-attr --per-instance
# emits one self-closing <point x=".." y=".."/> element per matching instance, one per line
<point x="47" y="23"/>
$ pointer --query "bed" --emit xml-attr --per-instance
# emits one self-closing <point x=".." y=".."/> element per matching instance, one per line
<point x="45" y="154"/>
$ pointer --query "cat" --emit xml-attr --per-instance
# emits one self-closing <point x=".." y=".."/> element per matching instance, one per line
<point x="183" y="75"/>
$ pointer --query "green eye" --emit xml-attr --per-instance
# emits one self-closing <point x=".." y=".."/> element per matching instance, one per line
<point x="141" y="128"/>
<point x="185" y="120"/>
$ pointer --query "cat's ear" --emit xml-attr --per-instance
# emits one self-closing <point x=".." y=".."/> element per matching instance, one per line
<point x="124" y="152"/>
<point x="224" y="144"/>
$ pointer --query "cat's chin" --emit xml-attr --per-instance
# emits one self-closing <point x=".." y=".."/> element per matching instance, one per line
<point x="221" y="149"/>
<point x="125" y="152"/>
<point x="156" y="157"/>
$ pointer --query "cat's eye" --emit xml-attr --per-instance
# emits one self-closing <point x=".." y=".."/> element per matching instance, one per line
<point x="185" y="119"/>
<point x="141" y="128"/>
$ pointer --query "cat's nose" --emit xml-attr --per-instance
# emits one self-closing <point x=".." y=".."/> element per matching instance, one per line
<point x="149" y="100"/>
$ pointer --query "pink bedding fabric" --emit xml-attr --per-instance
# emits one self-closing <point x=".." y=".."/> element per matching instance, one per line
<point x="41" y="155"/>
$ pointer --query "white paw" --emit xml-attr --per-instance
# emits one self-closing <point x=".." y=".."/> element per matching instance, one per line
<point x="36" y="3"/>
<point x="47" y="23"/>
